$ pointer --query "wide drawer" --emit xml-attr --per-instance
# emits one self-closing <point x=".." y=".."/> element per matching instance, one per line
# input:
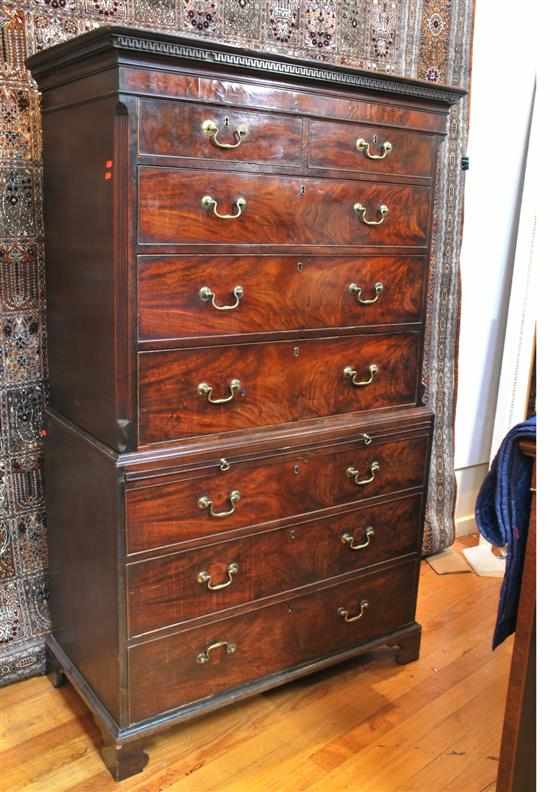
<point x="179" y="206"/>
<point x="182" y="296"/>
<point x="367" y="149"/>
<point x="181" y="129"/>
<point x="279" y="486"/>
<point x="165" y="591"/>
<point x="200" y="391"/>
<point x="170" y="672"/>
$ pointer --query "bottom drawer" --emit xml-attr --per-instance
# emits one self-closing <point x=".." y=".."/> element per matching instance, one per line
<point x="196" y="664"/>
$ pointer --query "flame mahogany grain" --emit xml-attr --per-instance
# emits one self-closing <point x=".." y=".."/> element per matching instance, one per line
<point x="280" y="293"/>
<point x="280" y="382"/>
<point x="281" y="210"/>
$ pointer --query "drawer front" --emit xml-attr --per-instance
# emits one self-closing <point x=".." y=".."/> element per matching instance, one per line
<point x="270" y="489"/>
<point x="368" y="149"/>
<point x="183" y="296"/>
<point x="165" y="591"/>
<point x="272" y="383"/>
<point x="196" y="664"/>
<point x="279" y="210"/>
<point x="180" y="129"/>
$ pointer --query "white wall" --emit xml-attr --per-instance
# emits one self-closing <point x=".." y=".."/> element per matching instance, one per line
<point x="503" y="75"/>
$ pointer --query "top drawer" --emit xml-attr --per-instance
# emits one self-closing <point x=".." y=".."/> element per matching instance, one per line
<point x="367" y="149"/>
<point x="180" y="129"/>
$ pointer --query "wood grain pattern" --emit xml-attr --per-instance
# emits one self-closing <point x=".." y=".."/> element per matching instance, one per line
<point x="165" y="673"/>
<point x="166" y="591"/>
<point x="280" y="210"/>
<point x="280" y="293"/>
<point x="234" y="92"/>
<point x="280" y="382"/>
<point x="174" y="129"/>
<point x="166" y="514"/>
<point x="332" y="145"/>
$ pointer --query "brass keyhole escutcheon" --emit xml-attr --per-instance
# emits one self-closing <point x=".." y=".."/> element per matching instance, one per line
<point x="300" y="266"/>
<point x="296" y="469"/>
<point x="296" y="351"/>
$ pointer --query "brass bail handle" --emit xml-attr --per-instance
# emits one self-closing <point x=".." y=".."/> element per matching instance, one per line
<point x="205" y="577"/>
<point x="349" y="540"/>
<point x="207" y="295"/>
<point x="211" y="130"/>
<point x="206" y="390"/>
<point x="357" y="292"/>
<point x="204" y="657"/>
<point x="363" y="145"/>
<point x="204" y="502"/>
<point x="363" y="605"/>
<point x="210" y="204"/>
<point x="361" y="211"/>
<point x="353" y="473"/>
<point x="353" y="375"/>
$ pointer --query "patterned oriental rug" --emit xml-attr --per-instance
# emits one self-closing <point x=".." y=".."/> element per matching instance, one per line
<point x="426" y="39"/>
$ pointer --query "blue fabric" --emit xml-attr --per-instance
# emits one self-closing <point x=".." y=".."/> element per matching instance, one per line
<point x="502" y="513"/>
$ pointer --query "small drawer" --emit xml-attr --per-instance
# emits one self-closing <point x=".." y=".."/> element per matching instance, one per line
<point x="255" y="492"/>
<point x="196" y="664"/>
<point x="367" y="149"/>
<point x="186" y="206"/>
<point x="211" y="390"/>
<point x="191" y="131"/>
<point x="173" y="589"/>
<point x="184" y="296"/>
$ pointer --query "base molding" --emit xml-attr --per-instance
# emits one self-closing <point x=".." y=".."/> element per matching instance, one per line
<point x="123" y="745"/>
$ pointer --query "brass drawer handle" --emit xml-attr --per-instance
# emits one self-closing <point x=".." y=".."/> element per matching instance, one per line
<point x="207" y="295"/>
<point x="361" y="212"/>
<point x="348" y="539"/>
<point x="363" y="605"/>
<point x="357" y="291"/>
<point x="352" y="374"/>
<point x="204" y="502"/>
<point x="210" y="129"/>
<point x="354" y="474"/>
<point x="211" y="205"/>
<point x="204" y="657"/>
<point x="204" y="389"/>
<point x="385" y="149"/>
<point x="204" y="577"/>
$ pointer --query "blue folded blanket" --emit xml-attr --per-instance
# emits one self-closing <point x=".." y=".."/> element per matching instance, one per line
<point x="502" y="514"/>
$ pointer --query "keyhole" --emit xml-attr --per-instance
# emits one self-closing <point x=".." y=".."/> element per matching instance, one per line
<point x="296" y="469"/>
<point x="226" y="121"/>
<point x="374" y="138"/>
<point x="300" y="266"/>
<point x="296" y="351"/>
<point x="302" y="190"/>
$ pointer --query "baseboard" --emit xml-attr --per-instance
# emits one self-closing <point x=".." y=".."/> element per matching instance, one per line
<point x="466" y="525"/>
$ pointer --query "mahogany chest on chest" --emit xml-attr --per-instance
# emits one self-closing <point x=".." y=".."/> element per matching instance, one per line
<point x="237" y="457"/>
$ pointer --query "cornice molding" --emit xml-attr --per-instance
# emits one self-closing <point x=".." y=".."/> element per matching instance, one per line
<point x="155" y="44"/>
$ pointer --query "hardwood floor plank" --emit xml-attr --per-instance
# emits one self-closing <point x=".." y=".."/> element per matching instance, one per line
<point x="433" y="725"/>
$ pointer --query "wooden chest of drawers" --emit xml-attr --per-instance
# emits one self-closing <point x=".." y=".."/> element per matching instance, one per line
<point x="237" y="460"/>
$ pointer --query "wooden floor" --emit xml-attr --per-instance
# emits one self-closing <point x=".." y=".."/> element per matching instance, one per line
<point x="433" y="725"/>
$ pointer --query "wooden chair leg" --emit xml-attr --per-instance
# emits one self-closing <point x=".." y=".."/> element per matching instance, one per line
<point x="123" y="759"/>
<point x="409" y="647"/>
